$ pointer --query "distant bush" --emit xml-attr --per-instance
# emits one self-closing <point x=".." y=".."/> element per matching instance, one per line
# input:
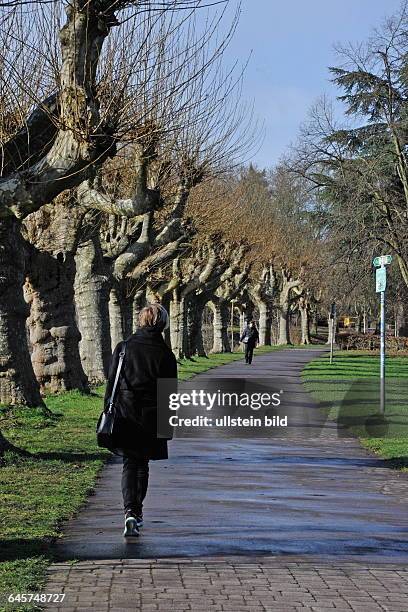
<point x="369" y="342"/>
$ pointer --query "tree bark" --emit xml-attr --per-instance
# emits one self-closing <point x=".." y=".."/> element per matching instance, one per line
<point x="284" y="335"/>
<point x="284" y="319"/>
<point x="139" y="301"/>
<point x="304" y="322"/>
<point x="166" y="304"/>
<point x="399" y="319"/>
<point x="92" y="288"/>
<point x="177" y="324"/>
<point x="284" y="307"/>
<point x="217" y="327"/>
<point x="360" y="321"/>
<point x="248" y="311"/>
<point x="225" y="320"/>
<point x="314" y="322"/>
<point x="264" y="324"/>
<point x="18" y="384"/>
<point x="194" y="315"/>
<point x="54" y="335"/>
<point x="115" y="318"/>
<point x="221" y="342"/>
<point x="241" y="323"/>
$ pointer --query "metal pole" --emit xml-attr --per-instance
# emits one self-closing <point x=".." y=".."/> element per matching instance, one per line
<point x="232" y="326"/>
<point x="382" y="353"/>
<point x="331" y="339"/>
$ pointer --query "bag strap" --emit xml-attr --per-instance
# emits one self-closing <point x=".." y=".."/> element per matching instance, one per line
<point x="118" y="370"/>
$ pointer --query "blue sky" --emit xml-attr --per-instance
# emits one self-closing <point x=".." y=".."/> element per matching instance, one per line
<point x="292" y="45"/>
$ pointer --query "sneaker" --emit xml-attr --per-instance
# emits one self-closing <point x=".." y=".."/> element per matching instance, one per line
<point x="131" y="527"/>
<point x="139" y="520"/>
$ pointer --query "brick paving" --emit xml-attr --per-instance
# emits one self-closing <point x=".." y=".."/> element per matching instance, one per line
<point x="232" y="584"/>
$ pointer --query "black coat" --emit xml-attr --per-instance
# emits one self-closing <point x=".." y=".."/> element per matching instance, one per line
<point x="250" y="335"/>
<point x="147" y="358"/>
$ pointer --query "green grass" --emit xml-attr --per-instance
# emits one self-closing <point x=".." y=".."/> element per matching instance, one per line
<point x="348" y="392"/>
<point x="39" y="492"/>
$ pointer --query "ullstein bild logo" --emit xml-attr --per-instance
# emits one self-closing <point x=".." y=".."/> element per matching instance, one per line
<point x="199" y="398"/>
<point x="228" y="421"/>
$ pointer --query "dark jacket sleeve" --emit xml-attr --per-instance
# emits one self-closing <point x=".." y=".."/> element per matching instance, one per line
<point x="168" y="366"/>
<point x="112" y="371"/>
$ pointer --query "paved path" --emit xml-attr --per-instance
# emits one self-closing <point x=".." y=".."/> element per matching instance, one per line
<point x="242" y="524"/>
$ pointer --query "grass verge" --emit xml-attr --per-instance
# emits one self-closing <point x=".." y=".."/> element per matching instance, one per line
<point x="39" y="492"/>
<point x="348" y="392"/>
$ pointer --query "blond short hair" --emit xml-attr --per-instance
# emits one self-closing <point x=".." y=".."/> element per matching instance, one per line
<point x="150" y="315"/>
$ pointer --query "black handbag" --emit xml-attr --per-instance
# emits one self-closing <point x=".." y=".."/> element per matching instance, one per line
<point x="106" y="422"/>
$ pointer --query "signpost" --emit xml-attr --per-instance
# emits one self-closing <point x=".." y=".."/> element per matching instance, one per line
<point x="332" y="328"/>
<point x="380" y="287"/>
<point x="232" y="325"/>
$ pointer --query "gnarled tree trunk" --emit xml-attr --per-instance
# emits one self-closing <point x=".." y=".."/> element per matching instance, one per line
<point x="217" y="326"/>
<point x="287" y="286"/>
<point x="18" y="384"/>
<point x="166" y="304"/>
<point x="92" y="289"/>
<point x="284" y="333"/>
<point x="221" y="343"/>
<point x="177" y="323"/>
<point x="304" y="321"/>
<point x="115" y="317"/>
<point x="264" y="324"/>
<point x="54" y="335"/>
<point x="194" y="331"/>
<point x="139" y="301"/>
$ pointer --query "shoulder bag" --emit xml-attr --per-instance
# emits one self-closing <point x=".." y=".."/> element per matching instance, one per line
<point x="106" y="421"/>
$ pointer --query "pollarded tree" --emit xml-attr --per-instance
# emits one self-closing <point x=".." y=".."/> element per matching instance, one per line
<point x="143" y="62"/>
<point x="262" y="291"/>
<point x="222" y="301"/>
<point x="34" y="172"/>
<point x="175" y="147"/>
<point x="48" y="145"/>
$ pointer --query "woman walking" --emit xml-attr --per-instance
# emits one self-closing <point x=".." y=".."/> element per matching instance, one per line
<point x="250" y="337"/>
<point x="147" y="358"/>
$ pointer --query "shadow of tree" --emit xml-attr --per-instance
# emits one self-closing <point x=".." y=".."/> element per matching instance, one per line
<point x="70" y="457"/>
<point x="23" y="548"/>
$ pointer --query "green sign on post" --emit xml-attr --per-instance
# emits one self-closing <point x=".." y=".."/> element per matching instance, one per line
<point x="384" y="260"/>
<point x="380" y="279"/>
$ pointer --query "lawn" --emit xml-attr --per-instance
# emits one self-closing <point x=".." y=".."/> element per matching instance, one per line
<point x="40" y="491"/>
<point x="348" y="392"/>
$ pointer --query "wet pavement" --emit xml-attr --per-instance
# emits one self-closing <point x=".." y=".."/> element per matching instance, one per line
<point x="319" y="496"/>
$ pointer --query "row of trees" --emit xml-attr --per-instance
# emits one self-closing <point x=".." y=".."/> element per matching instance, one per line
<point x="122" y="138"/>
<point x="123" y="142"/>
